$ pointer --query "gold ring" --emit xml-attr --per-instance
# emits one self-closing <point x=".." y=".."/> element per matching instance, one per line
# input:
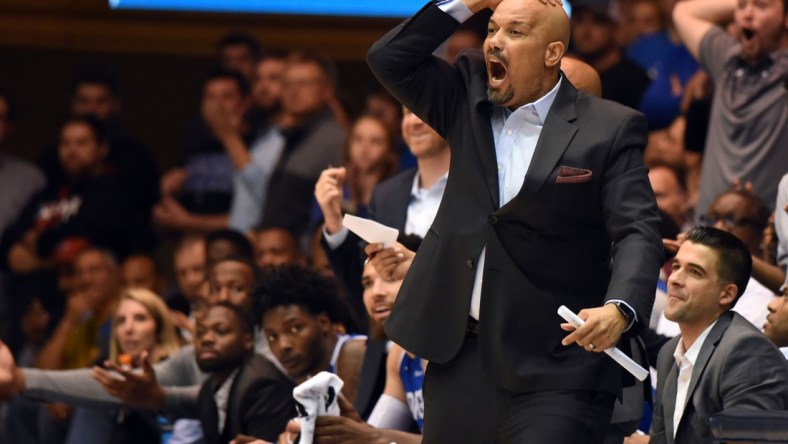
<point x="591" y="346"/>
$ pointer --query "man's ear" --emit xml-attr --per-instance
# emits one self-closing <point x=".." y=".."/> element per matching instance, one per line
<point x="728" y="294"/>
<point x="553" y="54"/>
<point x="248" y="342"/>
<point x="324" y="323"/>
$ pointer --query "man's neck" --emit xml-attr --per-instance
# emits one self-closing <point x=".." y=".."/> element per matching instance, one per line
<point x="690" y="333"/>
<point x="433" y="168"/>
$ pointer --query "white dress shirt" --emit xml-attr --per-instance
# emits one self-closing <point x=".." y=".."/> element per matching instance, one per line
<point x="685" y="360"/>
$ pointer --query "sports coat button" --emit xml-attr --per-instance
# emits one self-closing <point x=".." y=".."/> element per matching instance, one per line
<point x="493" y="219"/>
<point x="470" y="263"/>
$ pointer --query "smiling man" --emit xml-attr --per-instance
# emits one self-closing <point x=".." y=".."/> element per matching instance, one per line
<point x="748" y="131"/>
<point x="546" y="185"/>
<point x="720" y="361"/>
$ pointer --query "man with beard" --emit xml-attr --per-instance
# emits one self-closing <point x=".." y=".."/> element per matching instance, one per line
<point x="244" y="394"/>
<point x="748" y="131"/>
<point x="546" y="185"/>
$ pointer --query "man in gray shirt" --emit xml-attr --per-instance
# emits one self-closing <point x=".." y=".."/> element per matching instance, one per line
<point x="748" y="127"/>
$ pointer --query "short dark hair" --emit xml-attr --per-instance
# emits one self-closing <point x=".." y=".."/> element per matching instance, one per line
<point x="240" y="243"/>
<point x="244" y="318"/>
<point x="226" y="74"/>
<point x="240" y="38"/>
<point x="275" y="54"/>
<point x="325" y="63"/>
<point x="97" y="75"/>
<point x="296" y="285"/>
<point x="734" y="263"/>
<point x="96" y="126"/>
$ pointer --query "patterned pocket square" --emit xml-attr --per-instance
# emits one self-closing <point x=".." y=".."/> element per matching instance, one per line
<point x="573" y="175"/>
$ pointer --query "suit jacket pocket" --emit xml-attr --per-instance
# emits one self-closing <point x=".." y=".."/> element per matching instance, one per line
<point x="567" y="174"/>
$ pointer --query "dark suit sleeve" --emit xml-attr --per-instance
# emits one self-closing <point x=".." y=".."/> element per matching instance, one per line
<point x="268" y="405"/>
<point x="632" y="221"/>
<point x="657" y="431"/>
<point x="754" y="376"/>
<point x="403" y="63"/>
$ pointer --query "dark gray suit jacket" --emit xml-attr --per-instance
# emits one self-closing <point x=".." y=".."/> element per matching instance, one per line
<point x="738" y="367"/>
<point x="260" y="403"/>
<point x="586" y="199"/>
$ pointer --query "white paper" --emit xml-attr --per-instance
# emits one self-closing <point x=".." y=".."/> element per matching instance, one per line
<point x="371" y="231"/>
<point x="620" y="357"/>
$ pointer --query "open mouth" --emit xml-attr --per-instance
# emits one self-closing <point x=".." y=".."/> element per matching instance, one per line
<point x="497" y="71"/>
<point x="748" y="34"/>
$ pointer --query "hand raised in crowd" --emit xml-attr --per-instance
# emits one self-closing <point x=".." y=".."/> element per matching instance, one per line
<point x="671" y="246"/>
<point x="738" y="185"/>
<point x="328" y="193"/>
<point x="172" y="181"/>
<point x="391" y="263"/>
<point x="79" y="305"/>
<point x="224" y="123"/>
<point x="602" y="329"/>
<point x="169" y="214"/>
<point x="135" y="388"/>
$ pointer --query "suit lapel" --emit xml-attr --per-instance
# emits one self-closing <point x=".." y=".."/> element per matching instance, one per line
<point x="556" y="134"/>
<point x="669" y="399"/>
<point x="706" y="351"/>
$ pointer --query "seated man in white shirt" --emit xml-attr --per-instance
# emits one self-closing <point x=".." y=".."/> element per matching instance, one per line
<point x="720" y="361"/>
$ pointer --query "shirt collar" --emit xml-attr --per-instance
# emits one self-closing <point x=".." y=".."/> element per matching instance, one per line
<point x="415" y="190"/>
<point x="784" y="351"/>
<point x="694" y="350"/>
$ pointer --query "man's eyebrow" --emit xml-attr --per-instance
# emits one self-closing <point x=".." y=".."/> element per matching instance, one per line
<point x="697" y="267"/>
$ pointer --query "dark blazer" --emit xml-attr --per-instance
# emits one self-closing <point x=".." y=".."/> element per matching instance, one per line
<point x="260" y="404"/>
<point x="586" y="198"/>
<point x="738" y="367"/>
<point x="389" y="206"/>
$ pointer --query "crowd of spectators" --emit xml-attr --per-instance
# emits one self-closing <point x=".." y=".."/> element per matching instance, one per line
<point x="268" y="288"/>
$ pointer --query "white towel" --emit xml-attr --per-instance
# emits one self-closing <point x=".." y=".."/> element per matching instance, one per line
<point x="317" y="396"/>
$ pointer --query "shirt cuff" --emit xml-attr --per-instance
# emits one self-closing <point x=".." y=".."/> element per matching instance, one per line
<point x="456" y="9"/>
<point x="631" y="310"/>
<point x="336" y="239"/>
